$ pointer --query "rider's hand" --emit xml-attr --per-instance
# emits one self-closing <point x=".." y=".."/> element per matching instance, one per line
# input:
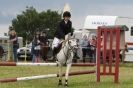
<point x="71" y="33"/>
<point x="38" y="41"/>
<point x="61" y="40"/>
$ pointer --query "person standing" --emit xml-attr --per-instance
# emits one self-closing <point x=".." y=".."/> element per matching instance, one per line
<point x="93" y="42"/>
<point x="84" y="45"/>
<point x="14" y="41"/>
<point x="44" y="45"/>
<point x="64" y="28"/>
<point x="36" y="48"/>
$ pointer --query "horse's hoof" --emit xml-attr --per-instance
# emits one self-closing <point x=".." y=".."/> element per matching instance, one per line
<point x="60" y="83"/>
<point x="66" y="85"/>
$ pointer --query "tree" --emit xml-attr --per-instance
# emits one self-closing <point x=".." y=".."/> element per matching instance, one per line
<point x="50" y="21"/>
<point x="27" y="23"/>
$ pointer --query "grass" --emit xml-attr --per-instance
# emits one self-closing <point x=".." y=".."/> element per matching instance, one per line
<point x="81" y="81"/>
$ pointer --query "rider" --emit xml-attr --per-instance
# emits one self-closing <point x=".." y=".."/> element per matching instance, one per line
<point x="64" y="27"/>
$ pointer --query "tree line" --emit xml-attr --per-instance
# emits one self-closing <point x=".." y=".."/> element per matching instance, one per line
<point x="30" y="21"/>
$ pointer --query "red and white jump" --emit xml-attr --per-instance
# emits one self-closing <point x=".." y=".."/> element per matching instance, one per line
<point x="43" y="76"/>
<point x="102" y="44"/>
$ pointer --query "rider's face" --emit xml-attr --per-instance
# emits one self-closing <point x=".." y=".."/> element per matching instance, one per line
<point x="37" y="35"/>
<point x="66" y="18"/>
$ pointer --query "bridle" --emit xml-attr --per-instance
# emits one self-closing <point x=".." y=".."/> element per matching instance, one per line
<point x="70" y="48"/>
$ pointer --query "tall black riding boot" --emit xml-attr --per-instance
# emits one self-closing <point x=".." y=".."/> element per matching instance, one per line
<point x="54" y="54"/>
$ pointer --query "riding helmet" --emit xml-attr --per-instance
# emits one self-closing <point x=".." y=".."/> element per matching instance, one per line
<point x="66" y="14"/>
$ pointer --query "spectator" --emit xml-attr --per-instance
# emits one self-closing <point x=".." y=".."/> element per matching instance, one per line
<point x="1" y="52"/>
<point x="79" y="50"/>
<point x="14" y="41"/>
<point x="93" y="41"/>
<point x="84" y="45"/>
<point x="92" y="52"/>
<point x="44" y="45"/>
<point x="76" y="51"/>
<point x="36" y="48"/>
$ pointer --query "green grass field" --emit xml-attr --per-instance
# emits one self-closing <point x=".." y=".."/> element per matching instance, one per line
<point x="81" y="81"/>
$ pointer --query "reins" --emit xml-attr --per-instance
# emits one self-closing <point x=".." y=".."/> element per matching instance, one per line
<point x="70" y="48"/>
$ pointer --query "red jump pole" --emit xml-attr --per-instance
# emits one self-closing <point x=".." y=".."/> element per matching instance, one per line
<point x="84" y="64"/>
<point x="98" y="54"/>
<point x="104" y="50"/>
<point x="117" y="55"/>
<point x="8" y="64"/>
<point x="81" y="73"/>
<point x="110" y="51"/>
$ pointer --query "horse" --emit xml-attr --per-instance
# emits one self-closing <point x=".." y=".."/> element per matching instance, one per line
<point x="65" y="56"/>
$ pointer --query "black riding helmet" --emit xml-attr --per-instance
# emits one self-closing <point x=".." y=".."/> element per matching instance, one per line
<point x="66" y="14"/>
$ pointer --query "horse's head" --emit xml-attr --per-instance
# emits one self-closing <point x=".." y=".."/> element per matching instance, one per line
<point x="71" y="39"/>
<point x="72" y="42"/>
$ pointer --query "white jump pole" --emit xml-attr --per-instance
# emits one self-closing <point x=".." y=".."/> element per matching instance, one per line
<point x="37" y="77"/>
<point x="44" y="76"/>
<point x="36" y="64"/>
<point x="27" y="78"/>
<point x="27" y="64"/>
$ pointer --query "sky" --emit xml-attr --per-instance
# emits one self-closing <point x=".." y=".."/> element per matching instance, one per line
<point x="9" y="9"/>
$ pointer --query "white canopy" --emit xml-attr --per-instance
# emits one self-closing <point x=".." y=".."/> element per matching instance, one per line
<point x="93" y="21"/>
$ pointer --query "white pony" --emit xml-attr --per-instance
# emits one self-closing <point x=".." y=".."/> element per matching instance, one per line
<point x="65" y="56"/>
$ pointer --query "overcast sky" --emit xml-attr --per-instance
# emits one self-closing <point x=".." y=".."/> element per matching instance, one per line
<point x="80" y="9"/>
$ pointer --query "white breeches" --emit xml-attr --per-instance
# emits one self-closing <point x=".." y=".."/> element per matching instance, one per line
<point x="56" y="42"/>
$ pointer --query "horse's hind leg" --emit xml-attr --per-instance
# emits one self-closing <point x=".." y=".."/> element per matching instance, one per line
<point x="60" y="74"/>
<point x="67" y="73"/>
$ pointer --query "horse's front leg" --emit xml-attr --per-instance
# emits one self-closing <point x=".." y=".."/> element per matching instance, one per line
<point x="60" y="74"/>
<point x="67" y="73"/>
<point x="69" y="63"/>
